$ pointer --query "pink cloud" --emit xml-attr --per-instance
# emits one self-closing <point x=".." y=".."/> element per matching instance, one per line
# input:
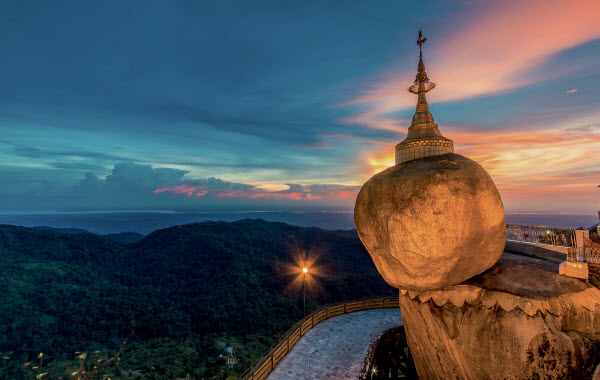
<point x="234" y="194"/>
<point x="344" y="194"/>
<point x="492" y="51"/>
<point x="292" y="196"/>
<point x="188" y="190"/>
<point x="493" y="48"/>
<point x="338" y="194"/>
<point x="295" y="196"/>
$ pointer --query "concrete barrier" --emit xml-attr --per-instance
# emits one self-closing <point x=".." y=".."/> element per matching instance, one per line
<point x="554" y="253"/>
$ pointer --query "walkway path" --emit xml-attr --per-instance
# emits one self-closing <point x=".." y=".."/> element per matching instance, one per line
<point x="335" y="348"/>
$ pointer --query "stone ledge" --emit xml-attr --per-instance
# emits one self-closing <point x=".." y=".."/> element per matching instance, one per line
<point x="518" y="320"/>
<point x="553" y="253"/>
<point x="459" y="295"/>
<point x="517" y="283"/>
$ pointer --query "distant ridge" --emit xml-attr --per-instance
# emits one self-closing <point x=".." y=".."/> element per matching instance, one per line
<point x="125" y="237"/>
<point x="146" y="222"/>
<point x="74" y="231"/>
<point x="120" y="237"/>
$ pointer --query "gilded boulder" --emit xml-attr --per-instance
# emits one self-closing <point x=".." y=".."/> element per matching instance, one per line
<point x="431" y="223"/>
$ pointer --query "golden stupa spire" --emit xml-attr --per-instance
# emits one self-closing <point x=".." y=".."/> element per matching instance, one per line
<point x="421" y="86"/>
<point x="424" y="138"/>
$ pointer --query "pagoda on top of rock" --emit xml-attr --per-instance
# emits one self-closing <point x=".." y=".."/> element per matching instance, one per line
<point x="435" y="218"/>
<point x="424" y="138"/>
<point x="435" y="228"/>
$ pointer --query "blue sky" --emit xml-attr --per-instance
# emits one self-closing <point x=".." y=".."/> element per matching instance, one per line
<point x="222" y="105"/>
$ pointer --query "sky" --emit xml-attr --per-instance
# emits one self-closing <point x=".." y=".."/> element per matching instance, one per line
<point x="274" y="105"/>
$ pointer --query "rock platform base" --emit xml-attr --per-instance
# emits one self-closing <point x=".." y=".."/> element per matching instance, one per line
<point x="518" y="320"/>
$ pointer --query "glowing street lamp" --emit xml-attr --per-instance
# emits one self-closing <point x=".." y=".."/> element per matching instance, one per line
<point x="304" y="271"/>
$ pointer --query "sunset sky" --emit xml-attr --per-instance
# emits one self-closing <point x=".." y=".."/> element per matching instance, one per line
<point x="260" y="105"/>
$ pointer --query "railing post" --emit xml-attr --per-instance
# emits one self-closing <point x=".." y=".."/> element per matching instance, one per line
<point x="580" y="236"/>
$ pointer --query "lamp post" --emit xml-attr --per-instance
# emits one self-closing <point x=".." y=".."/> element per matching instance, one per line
<point x="304" y="271"/>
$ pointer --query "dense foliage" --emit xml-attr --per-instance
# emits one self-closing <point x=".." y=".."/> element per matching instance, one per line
<point x="192" y="295"/>
<point x="120" y="237"/>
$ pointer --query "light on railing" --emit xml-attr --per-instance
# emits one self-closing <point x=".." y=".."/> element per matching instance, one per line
<point x="305" y="270"/>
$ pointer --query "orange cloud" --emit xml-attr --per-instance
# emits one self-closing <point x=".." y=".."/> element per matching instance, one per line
<point x="557" y="167"/>
<point x="494" y="49"/>
<point x="491" y="52"/>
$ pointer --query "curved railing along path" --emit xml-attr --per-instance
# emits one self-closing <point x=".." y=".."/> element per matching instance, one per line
<point x="321" y="353"/>
<point x="329" y="343"/>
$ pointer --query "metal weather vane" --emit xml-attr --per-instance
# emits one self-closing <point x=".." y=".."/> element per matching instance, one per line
<point x="421" y="83"/>
<point x="420" y="41"/>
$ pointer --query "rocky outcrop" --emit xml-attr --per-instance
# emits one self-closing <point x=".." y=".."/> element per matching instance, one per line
<point x="519" y="320"/>
<point x="432" y="222"/>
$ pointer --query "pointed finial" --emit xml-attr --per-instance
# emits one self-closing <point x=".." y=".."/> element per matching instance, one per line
<point x="424" y="138"/>
<point x="420" y="42"/>
<point x="421" y="84"/>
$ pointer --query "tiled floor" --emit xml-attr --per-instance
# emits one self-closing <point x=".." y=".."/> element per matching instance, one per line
<point x="335" y="348"/>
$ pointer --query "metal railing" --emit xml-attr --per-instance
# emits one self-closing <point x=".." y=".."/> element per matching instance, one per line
<point x="584" y="254"/>
<point x="278" y="351"/>
<point x="563" y="236"/>
<point x="589" y="253"/>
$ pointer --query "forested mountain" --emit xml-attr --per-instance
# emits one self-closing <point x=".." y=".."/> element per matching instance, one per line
<point x="119" y="237"/>
<point x="183" y="294"/>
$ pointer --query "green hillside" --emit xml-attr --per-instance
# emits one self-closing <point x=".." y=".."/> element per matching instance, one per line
<point x="185" y="293"/>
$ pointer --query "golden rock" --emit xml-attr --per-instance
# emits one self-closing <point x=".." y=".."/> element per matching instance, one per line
<point x="434" y="219"/>
<point x="432" y="222"/>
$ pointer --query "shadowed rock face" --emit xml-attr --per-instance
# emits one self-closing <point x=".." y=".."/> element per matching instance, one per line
<point x="431" y="222"/>
<point x="524" y="276"/>
<point x="519" y="320"/>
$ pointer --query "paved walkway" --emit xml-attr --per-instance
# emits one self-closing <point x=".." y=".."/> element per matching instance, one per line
<point x="335" y="348"/>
